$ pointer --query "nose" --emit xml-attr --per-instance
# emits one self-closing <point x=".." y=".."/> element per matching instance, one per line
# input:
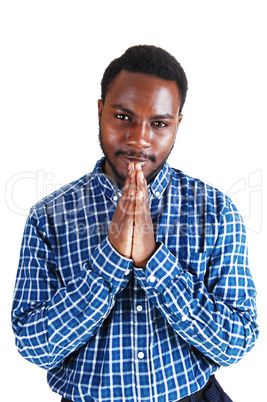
<point x="138" y="136"/>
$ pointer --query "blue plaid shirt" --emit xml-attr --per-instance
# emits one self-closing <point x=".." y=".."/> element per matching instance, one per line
<point x="109" y="331"/>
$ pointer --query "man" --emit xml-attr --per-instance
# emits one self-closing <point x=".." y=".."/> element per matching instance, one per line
<point x="133" y="283"/>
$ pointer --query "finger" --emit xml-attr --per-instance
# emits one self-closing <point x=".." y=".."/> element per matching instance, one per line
<point x="127" y="201"/>
<point x="142" y="209"/>
<point x="139" y="208"/>
<point x="141" y="183"/>
<point x="130" y="181"/>
<point x="143" y="225"/>
<point x="138" y="166"/>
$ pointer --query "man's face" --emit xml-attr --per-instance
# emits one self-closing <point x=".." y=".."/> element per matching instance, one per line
<point x="138" y="123"/>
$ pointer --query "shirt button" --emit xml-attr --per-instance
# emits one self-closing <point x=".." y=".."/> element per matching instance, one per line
<point x="152" y="278"/>
<point x="184" y="318"/>
<point x="139" y="308"/>
<point x="127" y="272"/>
<point x="115" y="198"/>
<point x="141" y="355"/>
<point x="157" y="193"/>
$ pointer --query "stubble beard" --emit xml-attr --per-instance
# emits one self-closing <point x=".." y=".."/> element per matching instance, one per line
<point x="120" y="179"/>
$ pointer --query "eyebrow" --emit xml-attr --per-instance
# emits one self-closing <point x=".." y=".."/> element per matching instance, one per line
<point x="123" y="108"/>
<point x="157" y="117"/>
<point x="163" y="116"/>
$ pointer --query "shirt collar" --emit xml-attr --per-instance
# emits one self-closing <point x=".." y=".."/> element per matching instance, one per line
<point x="156" y="187"/>
<point x="161" y="181"/>
<point x="105" y="183"/>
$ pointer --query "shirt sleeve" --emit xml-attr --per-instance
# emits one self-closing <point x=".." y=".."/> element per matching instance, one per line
<point x="216" y="313"/>
<point x="50" y="320"/>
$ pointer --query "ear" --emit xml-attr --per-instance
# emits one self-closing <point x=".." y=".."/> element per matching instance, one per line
<point x="100" y="106"/>
<point x="179" y="120"/>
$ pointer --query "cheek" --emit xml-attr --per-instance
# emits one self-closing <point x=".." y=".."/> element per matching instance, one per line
<point x="110" y="134"/>
<point x="107" y="137"/>
<point x="164" y="145"/>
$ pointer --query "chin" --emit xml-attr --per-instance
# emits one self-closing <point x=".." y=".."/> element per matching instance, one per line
<point x="153" y="173"/>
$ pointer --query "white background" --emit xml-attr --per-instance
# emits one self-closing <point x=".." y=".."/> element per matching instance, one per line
<point x="53" y="54"/>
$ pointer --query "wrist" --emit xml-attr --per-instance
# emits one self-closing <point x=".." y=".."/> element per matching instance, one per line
<point x="143" y="263"/>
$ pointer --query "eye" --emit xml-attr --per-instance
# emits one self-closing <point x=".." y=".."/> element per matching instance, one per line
<point x="160" y="124"/>
<point x="123" y="117"/>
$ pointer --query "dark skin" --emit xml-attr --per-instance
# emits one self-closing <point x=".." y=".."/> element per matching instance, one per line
<point x="138" y="121"/>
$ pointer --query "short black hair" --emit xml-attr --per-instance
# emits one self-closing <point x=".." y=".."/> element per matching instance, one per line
<point x="150" y="60"/>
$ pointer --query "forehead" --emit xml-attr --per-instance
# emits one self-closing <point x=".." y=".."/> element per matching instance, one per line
<point x="139" y="90"/>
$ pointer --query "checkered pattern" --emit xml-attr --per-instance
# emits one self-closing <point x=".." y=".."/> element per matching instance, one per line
<point x="108" y="331"/>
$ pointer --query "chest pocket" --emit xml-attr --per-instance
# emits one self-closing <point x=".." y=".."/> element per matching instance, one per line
<point x="195" y="263"/>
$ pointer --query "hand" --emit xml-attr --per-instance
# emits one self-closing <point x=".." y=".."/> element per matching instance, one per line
<point x="144" y="244"/>
<point x="121" y="228"/>
<point x="131" y="231"/>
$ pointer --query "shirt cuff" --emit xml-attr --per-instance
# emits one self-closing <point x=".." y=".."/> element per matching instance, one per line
<point x="162" y="268"/>
<point x="111" y="265"/>
<point x="162" y="280"/>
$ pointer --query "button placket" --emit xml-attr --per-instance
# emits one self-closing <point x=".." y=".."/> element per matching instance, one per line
<point x="140" y="324"/>
<point x="116" y="196"/>
<point x="141" y="339"/>
<point x="141" y="355"/>
<point x="127" y="272"/>
<point x="152" y="278"/>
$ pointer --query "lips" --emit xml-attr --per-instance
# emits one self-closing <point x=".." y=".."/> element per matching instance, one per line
<point x="132" y="158"/>
<point x="135" y="156"/>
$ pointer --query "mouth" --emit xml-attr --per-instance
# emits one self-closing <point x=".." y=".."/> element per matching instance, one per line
<point x="135" y="158"/>
<point x="127" y="159"/>
<point x="132" y="157"/>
